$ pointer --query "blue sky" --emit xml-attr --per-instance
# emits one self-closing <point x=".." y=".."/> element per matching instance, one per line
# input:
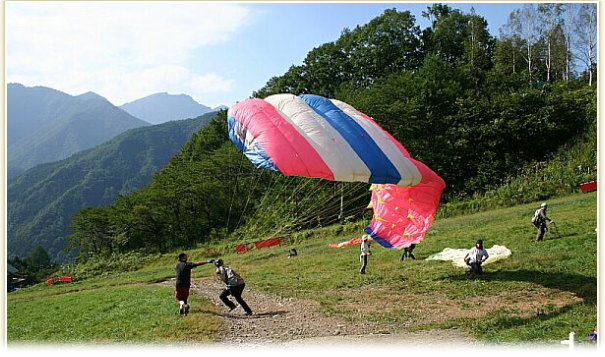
<point x="218" y="53"/>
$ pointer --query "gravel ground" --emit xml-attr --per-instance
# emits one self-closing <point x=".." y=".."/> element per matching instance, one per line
<point x="279" y="321"/>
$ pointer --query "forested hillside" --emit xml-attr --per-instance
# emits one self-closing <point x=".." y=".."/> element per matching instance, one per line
<point x="42" y="200"/>
<point x="479" y="110"/>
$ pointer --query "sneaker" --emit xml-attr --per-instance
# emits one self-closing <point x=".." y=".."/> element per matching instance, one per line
<point x="249" y="313"/>
<point x="232" y="308"/>
<point x="186" y="308"/>
<point x="182" y="310"/>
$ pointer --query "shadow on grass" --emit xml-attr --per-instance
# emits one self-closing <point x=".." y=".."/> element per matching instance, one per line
<point x="256" y="316"/>
<point x="582" y="286"/>
<point x="233" y="316"/>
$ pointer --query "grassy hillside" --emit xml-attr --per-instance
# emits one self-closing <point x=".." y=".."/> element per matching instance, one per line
<point x="539" y="294"/>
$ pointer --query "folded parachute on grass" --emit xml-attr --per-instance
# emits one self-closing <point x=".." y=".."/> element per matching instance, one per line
<point x="496" y="253"/>
<point x="313" y="136"/>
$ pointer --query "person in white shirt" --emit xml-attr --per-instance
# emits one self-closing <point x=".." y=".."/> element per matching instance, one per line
<point x="235" y="286"/>
<point x="540" y="221"/>
<point x="365" y="251"/>
<point x="475" y="257"/>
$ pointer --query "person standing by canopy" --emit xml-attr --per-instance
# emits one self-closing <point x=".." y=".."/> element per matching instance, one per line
<point x="183" y="281"/>
<point x="235" y="286"/>
<point x="408" y="252"/>
<point x="365" y="252"/>
<point x="539" y="220"/>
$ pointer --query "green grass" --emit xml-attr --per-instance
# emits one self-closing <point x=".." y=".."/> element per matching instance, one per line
<point x="539" y="294"/>
<point x="512" y="298"/>
<point x="123" y="313"/>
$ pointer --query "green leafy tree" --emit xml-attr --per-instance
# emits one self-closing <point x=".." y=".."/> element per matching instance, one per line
<point x="38" y="259"/>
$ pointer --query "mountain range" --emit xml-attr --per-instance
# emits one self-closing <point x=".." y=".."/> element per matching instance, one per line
<point x="46" y="125"/>
<point x="42" y="200"/>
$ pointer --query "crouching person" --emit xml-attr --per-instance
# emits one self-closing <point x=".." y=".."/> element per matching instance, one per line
<point x="476" y="257"/>
<point x="235" y="286"/>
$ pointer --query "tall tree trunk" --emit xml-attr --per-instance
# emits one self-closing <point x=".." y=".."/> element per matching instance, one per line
<point x="529" y="61"/>
<point x="567" y="59"/>
<point x="548" y="62"/>
<point x="590" y="66"/>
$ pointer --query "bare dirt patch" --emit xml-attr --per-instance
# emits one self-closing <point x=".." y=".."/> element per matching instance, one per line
<point x="289" y="321"/>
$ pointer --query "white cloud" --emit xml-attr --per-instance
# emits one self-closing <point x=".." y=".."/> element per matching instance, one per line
<point x="121" y="50"/>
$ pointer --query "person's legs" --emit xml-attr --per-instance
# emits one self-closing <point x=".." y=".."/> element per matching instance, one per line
<point x="364" y="263"/>
<point x="541" y="232"/>
<point x="225" y="300"/>
<point x="410" y="250"/>
<point x="405" y="254"/>
<point x="479" y="269"/>
<point x="237" y="291"/>
<point x="475" y="268"/>
<point x="182" y="294"/>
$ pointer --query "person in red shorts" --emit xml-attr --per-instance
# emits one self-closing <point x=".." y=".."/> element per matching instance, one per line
<point x="183" y="281"/>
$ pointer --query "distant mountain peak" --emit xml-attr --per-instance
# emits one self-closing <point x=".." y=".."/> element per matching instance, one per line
<point x="161" y="107"/>
<point x="90" y="95"/>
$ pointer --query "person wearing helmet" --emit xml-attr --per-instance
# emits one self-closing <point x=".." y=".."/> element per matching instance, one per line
<point x="235" y="286"/>
<point x="539" y="220"/>
<point x="183" y="281"/>
<point x="365" y="252"/>
<point x="476" y="257"/>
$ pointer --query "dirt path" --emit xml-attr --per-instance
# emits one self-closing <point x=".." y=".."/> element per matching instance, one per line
<point x="288" y="321"/>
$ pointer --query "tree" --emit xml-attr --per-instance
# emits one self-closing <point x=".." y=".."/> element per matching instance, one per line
<point x="523" y="23"/>
<point x="586" y="37"/>
<point x="508" y="49"/>
<point x="387" y="44"/>
<point x="92" y="231"/>
<point x="568" y="26"/>
<point x="38" y="259"/>
<point x="479" y="44"/>
<point x="550" y="21"/>
<point x="458" y="37"/>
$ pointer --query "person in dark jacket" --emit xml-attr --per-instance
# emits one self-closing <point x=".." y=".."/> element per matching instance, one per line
<point x="235" y="286"/>
<point x="407" y="252"/>
<point x="183" y="281"/>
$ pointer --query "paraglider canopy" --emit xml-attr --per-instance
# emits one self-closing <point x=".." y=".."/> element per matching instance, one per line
<point x="313" y="136"/>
